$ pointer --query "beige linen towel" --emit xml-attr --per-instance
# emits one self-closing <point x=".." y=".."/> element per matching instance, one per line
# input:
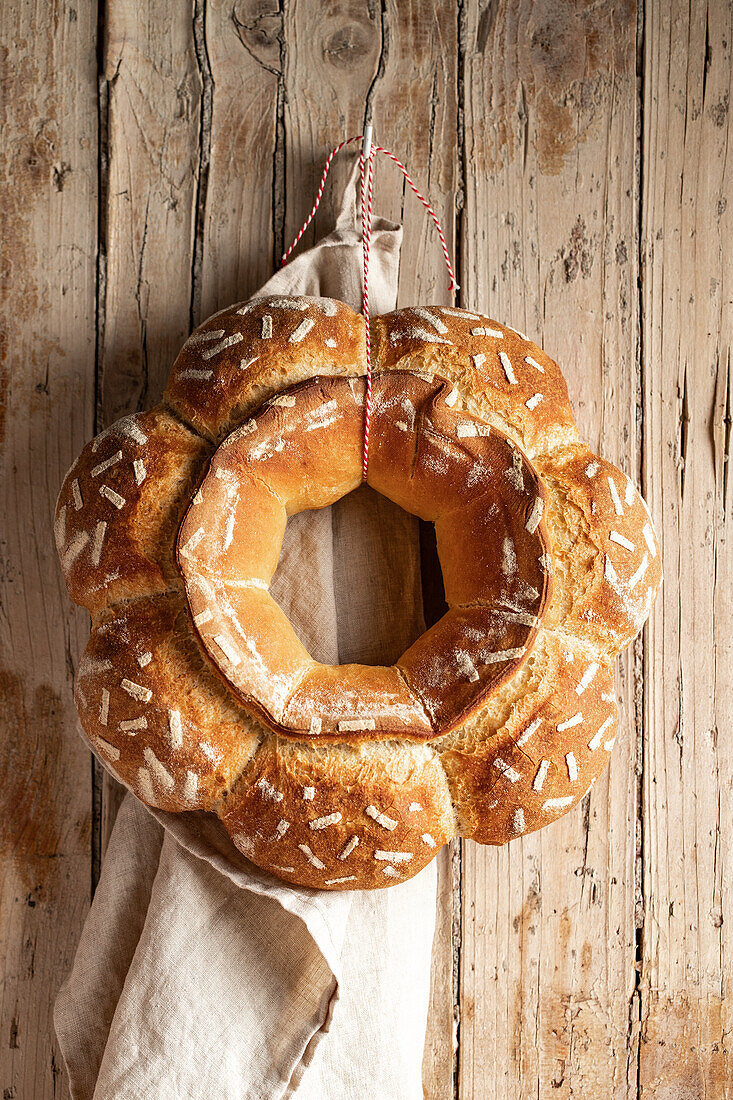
<point x="200" y="976"/>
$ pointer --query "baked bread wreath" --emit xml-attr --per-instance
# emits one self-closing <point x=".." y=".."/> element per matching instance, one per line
<point x="195" y="689"/>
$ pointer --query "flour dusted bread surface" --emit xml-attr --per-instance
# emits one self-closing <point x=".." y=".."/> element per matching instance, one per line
<point x="356" y="817"/>
<point x="119" y="508"/>
<point x="195" y="688"/>
<point x="251" y="351"/>
<point x="156" y="712"/>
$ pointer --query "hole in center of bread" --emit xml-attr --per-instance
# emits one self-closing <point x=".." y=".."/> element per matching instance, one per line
<point x="349" y="580"/>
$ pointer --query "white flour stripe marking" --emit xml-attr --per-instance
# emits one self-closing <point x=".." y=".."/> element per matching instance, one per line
<point x="574" y="721"/>
<point x="99" y="532"/>
<point x="533" y="363"/>
<point x="281" y="829"/>
<point x="145" y="785"/>
<point x="529" y="732"/>
<point x="266" y="331"/>
<point x="161" y="773"/>
<point x="478" y="361"/>
<point x="349" y="847"/>
<point x="616" y="537"/>
<point x="380" y="818"/>
<point x="502" y="655"/>
<point x="228" y="342"/>
<point x="431" y="319"/>
<point x="107" y="750"/>
<point x="393" y="857"/>
<point x="597" y="737"/>
<point x="493" y="332"/>
<point x="76" y="493"/>
<point x="175" y="729"/>
<point x="112" y="497"/>
<point x="636" y="577"/>
<point x="429" y="840"/>
<point x="539" y="780"/>
<point x="199" y="338"/>
<point x="193" y="541"/>
<point x="338" y="881"/>
<point x="75" y="548"/>
<point x="133" y="725"/>
<point x="200" y="375"/>
<point x="141" y="473"/>
<point x="533" y="401"/>
<point x="313" y="860"/>
<point x="535" y="515"/>
<point x="506" y="770"/>
<point x="104" y="708"/>
<point x="301" y="331"/>
<point x="587" y="677"/>
<point x="518" y="821"/>
<point x="267" y="790"/>
<point x="225" y="645"/>
<point x="324" y="822"/>
<point x="106" y="465"/>
<point x="554" y="804"/>
<point x="466" y="666"/>
<point x="649" y="539"/>
<point x="190" y="787"/>
<point x="508" y="369"/>
<point x="572" y="766"/>
<point x="137" y="691"/>
<point x="618" y="506"/>
<point x="309" y="793"/>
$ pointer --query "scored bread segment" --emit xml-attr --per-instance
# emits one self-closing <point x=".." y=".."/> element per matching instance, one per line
<point x="155" y="710"/>
<point x="341" y="817"/>
<point x="120" y="505"/>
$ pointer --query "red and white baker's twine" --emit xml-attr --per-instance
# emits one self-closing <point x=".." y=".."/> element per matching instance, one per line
<point x="366" y="172"/>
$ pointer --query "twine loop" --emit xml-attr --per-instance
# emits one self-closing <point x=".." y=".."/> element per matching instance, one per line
<point x="366" y="180"/>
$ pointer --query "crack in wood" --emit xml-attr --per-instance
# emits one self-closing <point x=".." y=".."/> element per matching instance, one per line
<point x="203" y="63"/>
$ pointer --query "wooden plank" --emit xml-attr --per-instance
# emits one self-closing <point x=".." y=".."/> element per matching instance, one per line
<point x="548" y="245"/>
<point x="687" y="330"/>
<point x="402" y="61"/>
<point x="151" y="105"/>
<point x="241" y="139"/>
<point x="48" y="179"/>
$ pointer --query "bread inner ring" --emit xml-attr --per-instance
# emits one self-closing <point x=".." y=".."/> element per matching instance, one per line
<point x="303" y="451"/>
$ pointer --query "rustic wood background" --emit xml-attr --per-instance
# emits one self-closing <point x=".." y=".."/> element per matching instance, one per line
<point x="155" y="156"/>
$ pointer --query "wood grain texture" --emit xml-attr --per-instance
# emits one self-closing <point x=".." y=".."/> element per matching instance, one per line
<point x="685" y="994"/>
<point x="48" y="181"/>
<point x="549" y="245"/>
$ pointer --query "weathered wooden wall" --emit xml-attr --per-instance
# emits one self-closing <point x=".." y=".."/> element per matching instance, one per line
<point x="155" y="157"/>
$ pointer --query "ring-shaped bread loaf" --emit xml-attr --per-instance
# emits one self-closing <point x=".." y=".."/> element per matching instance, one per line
<point x="194" y="688"/>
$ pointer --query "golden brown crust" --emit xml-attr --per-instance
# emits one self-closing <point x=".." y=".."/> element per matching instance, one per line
<point x="606" y="555"/>
<point x="119" y="508"/>
<point x="537" y="756"/>
<point x="156" y="712"/>
<point x="503" y="375"/>
<point x="471" y="429"/>
<point x="249" y="352"/>
<point x="342" y="817"/>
